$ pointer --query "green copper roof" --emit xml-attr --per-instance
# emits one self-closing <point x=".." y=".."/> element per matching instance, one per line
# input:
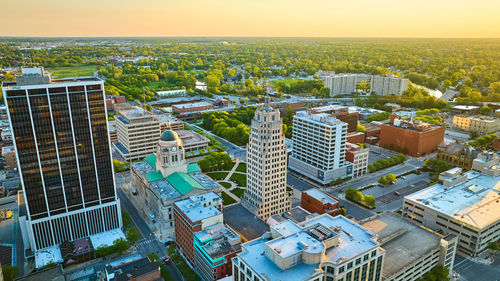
<point x="154" y="176"/>
<point x="151" y="160"/>
<point x="193" y="167"/>
<point x="183" y="183"/>
<point x="169" y="136"/>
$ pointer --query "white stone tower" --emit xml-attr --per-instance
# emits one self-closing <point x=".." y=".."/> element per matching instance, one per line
<point x="170" y="154"/>
<point x="266" y="193"/>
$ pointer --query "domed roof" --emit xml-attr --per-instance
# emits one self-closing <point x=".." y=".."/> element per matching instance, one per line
<point x="169" y="136"/>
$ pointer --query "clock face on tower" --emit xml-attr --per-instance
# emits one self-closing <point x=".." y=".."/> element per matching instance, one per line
<point x="174" y="149"/>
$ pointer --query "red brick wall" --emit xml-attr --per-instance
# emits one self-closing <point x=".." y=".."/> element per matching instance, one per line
<point x="356" y="138"/>
<point x="315" y="206"/>
<point x="119" y="99"/>
<point x="350" y="118"/>
<point x="184" y="234"/>
<point x="227" y="268"/>
<point x="155" y="275"/>
<point x="417" y="143"/>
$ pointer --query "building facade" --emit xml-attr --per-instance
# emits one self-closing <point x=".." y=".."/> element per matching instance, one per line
<point x="457" y="155"/>
<point x="358" y="156"/>
<point x="137" y="131"/>
<point x="319" y="143"/>
<point x="321" y="248"/>
<point x="414" y="138"/>
<point x="266" y="193"/>
<point x="163" y="178"/>
<point x="480" y="124"/>
<point x="214" y="248"/>
<point x="387" y="85"/>
<point x="63" y="150"/>
<point x="465" y="204"/>
<point x="316" y="201"/>
<point x="411" y="251"/>
<point x="193" y="215"/>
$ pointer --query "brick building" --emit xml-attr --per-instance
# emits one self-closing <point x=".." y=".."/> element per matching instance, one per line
<point x="358" y="156"/>
<point x="414" y="138"/>
<point x="372" y="133"/>
<point x="457" y="155"/>
<point x="356" y="137"/>
<point x="214" y="247"/>
<point x="193" y="215"/>
<point x="192" y="107"/>
<point x="351" y="119"/>
<point x="316" y="201"/>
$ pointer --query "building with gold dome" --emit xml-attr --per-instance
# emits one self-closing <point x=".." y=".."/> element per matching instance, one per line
<point x="163" y="178"/>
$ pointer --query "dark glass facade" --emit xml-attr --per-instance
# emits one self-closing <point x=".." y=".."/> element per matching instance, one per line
<point x="62" y="142"/>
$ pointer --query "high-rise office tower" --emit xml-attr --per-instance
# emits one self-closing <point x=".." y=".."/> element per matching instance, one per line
<point x="319" y="142"/>
<point x="63" y="150"/>
<point x="266" y="193"/>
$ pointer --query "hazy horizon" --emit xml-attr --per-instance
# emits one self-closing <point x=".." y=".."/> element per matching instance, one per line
<point x="252" y="18"/>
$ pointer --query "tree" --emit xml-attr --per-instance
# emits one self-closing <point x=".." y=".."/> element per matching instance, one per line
<point x="120" y="245"/>
<point x="438" y="273"/>
<point x="383" y="180"/>
<point x="126" y="218"/>
<point x="133" y="235"/>
<point x="473" y="135"/>
<point x="485" y="110"/>
<point x="212" y="83"/>
<point x="361" y="128"/>
<point x="370" y="201"/>
<point x="494" y="246"/>
<point x="153" y="257"/>
<point x="391" y="178"/>
<point x="436" y="165"/>
<point x="359" y="102"/>
<point x="10" y="272"/>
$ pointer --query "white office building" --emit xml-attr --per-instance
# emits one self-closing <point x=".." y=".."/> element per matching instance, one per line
<point x="138" y="132"/>
<point x="319" y="249"/>
<point x="319" y="144"/>
<point x="266" y="193"/>
<point x="464" y="204"/>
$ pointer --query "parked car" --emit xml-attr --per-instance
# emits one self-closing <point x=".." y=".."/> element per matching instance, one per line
<point x="166" y="260"/>
<point x="397" y="193"/>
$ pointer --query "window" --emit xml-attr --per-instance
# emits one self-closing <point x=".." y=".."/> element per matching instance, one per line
<point x="349" y="265"/>
<point x="358" y="261"/>
<point x="341" y="269"/>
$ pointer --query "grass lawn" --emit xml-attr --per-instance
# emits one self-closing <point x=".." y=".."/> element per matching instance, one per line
<point x="226" y="199"/>
<point x="238" y="192"/>
<point x="73" y="71"/>
<point x="217" y="175"/>
<point x="240" y="179"/>
<point x="242" y="167"/>
<point x="225" y="184"/>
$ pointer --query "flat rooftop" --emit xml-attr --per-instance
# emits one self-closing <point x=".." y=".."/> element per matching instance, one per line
<point x="321" y="196"/>
<point x="354" y="239"/>
<point x="135" y="112"/>
<point x="196" y="209"/>
<point x="220" y="240"/>
<point x="244" y="222"/>
<point x="193" y="105"/>
<point x="474" y="202"/>
<point x="403" y="241"/>
<point x="320" y="118"/>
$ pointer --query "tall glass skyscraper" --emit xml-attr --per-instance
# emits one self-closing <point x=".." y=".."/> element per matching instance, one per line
<point x="63" y="149"/>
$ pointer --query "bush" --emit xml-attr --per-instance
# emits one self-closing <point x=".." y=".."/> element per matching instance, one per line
<point x="126" y="218"/>
<point x="133" y="235"/>
<point x="484" y="142"/>
<point x="10" y="272"/>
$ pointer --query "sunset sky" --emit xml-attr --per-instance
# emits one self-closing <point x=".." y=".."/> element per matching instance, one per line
<point x="297" y="18"/>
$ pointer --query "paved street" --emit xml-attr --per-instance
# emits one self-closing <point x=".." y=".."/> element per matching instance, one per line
<point x="149" y="243"/>
<point x="472" y="271"/>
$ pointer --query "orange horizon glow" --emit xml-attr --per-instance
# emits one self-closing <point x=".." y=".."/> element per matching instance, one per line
<point x="251" y="18"/>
